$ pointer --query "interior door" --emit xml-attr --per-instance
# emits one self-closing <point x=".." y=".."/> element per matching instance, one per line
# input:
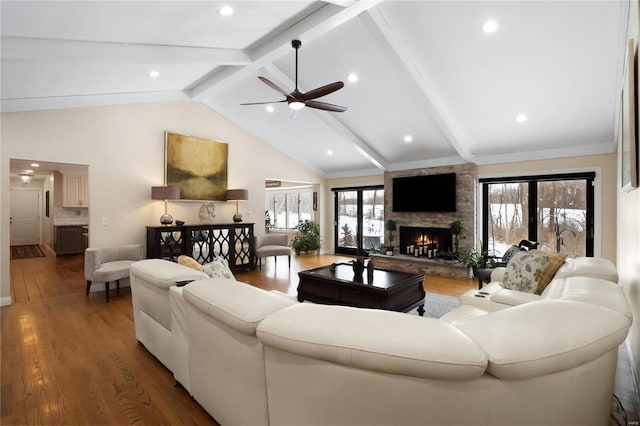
<point x="25" y="216"/>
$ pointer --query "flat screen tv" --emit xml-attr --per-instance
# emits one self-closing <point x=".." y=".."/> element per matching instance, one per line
<point x="426" y="193"/>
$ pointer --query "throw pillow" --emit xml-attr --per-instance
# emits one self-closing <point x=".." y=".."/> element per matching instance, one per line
<point x="190" y="262"/>
<point x="524" y="270"/>
<point x="555" y="262"/>
<point x="219" y="268"/>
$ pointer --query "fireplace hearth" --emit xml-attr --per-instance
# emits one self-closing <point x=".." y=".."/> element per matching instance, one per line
<point x="424" y="241"/>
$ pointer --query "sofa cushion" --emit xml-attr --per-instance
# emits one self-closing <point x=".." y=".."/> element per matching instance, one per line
<point x="556" y="260"/>
<point x="545" y="337"/>
<point x="189" y="262"/>
<point x="219" y="268"/>
<point x="378" y="340"/>
<point x="238" y="305"/>
<point x="524" y="270"/>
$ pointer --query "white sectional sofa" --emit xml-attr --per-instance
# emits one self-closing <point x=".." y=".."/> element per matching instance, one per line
<point x="259" y="358"/>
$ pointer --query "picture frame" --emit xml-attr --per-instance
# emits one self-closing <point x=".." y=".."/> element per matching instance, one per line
<point x="629" y="132"/>
<point x="199" y="167"/>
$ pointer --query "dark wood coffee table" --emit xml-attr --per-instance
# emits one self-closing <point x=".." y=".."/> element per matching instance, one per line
<point x="390" y="290"/>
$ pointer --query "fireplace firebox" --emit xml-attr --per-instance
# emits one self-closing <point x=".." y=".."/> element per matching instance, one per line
<point x="424" y="241"/>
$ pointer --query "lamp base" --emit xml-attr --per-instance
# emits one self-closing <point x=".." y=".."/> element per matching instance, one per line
<point x="237" y="217"/>
<point x="166" y="219"/>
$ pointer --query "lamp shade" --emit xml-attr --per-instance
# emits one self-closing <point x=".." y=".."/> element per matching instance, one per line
<point x="165" y="193"/>
<point x="237" y="194"/>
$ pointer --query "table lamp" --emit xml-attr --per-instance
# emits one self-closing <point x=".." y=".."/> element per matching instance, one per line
<point x="165" y="193"/>
<point x="236" y="195"/>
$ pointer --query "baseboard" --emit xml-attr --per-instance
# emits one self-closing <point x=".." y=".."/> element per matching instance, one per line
<point x="5" y="301"/>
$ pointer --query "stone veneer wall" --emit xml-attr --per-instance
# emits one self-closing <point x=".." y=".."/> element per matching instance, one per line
<point x="466" y="182"/>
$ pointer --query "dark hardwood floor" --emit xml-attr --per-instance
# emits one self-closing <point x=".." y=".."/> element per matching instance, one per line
<point x="71" y="359"/>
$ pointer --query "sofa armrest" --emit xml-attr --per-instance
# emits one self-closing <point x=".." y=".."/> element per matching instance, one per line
<point x="552" y="336"/>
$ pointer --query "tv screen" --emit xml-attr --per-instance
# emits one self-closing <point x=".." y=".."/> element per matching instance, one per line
<point x="427" y="193"/>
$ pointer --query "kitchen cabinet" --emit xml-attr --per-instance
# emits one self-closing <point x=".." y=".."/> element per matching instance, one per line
<point x="75" y="190"/>
<point x="68" y="240"/>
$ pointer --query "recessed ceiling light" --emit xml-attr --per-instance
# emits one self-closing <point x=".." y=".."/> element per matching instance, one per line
<point x="35" y="165"/>
<point x="408" y="138"/>
<point x="269" y="108"/>
<point x="153" y="73"/>
<point x="225" y="11"/>
<point x="353" y="77"/>
<point x="490" y="26"/>
<point x="521" y="118"/>
<point x="330" y="152"/>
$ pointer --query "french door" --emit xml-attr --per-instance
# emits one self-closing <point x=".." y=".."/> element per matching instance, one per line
<point x="557" y="211"/>
<point x="359" y="219"/>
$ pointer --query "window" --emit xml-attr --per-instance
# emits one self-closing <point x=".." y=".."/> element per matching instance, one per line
<point x="287" y="208"/>
<point x="557" y="211"/>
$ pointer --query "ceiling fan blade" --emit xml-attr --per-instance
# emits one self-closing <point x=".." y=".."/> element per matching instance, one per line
<point x="264" y="103"/>
<point x="325" y="106"/>
<point x="273" y="86"/>
<point x="322" y="91"/>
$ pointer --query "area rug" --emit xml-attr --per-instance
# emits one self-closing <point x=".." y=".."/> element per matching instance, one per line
<point x="26" y="252"/>
<point x="436" y="305"/>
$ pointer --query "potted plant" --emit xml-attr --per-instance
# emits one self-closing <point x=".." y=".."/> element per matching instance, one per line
<point x="456" y="229"/>
<point x="390" y="226"/>
<point x="308" y="237"/>
<point x="475" y="259"/>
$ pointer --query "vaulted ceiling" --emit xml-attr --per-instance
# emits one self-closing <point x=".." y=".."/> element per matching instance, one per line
<point x="424" y="68"/>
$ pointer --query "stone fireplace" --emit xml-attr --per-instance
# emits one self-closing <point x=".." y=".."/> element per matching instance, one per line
<point x="424" y="241"/>
<point x="430" y="230"/>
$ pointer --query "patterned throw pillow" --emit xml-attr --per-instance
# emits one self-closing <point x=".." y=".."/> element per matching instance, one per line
<point x="219" y="268"/>
<point x="555" y="262"/>
<point x="524" y="270"/>
<point x="190" y="262"/>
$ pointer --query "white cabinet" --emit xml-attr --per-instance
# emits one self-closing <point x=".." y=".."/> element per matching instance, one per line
<point x="75" y="190"/>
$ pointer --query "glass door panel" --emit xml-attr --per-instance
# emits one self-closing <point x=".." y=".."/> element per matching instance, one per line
<point x="373" y="215"/>
<point x="347" y="208"/>
<point x="508" y="216"/>
<point x="562" y="216"/>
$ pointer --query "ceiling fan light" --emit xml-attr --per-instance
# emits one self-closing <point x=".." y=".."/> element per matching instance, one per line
<point x="296" y="105"/>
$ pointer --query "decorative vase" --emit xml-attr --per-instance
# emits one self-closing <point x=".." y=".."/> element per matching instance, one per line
<point x="358" y="268"/>
<point x="370" y="268"/>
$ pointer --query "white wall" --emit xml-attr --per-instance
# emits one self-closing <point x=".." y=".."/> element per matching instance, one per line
<point x="124" y="149"/>
<point x="628" y="230"/>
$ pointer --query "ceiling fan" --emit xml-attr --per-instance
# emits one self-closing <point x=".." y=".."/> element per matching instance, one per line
<point x="298" y="100"/>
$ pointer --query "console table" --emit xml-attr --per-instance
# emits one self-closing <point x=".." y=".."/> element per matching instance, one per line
<point x="233" y="242"/>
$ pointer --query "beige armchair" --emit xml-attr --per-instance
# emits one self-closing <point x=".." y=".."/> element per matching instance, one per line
<point x="272" y="245"/>
<point x="108" y="264"/>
